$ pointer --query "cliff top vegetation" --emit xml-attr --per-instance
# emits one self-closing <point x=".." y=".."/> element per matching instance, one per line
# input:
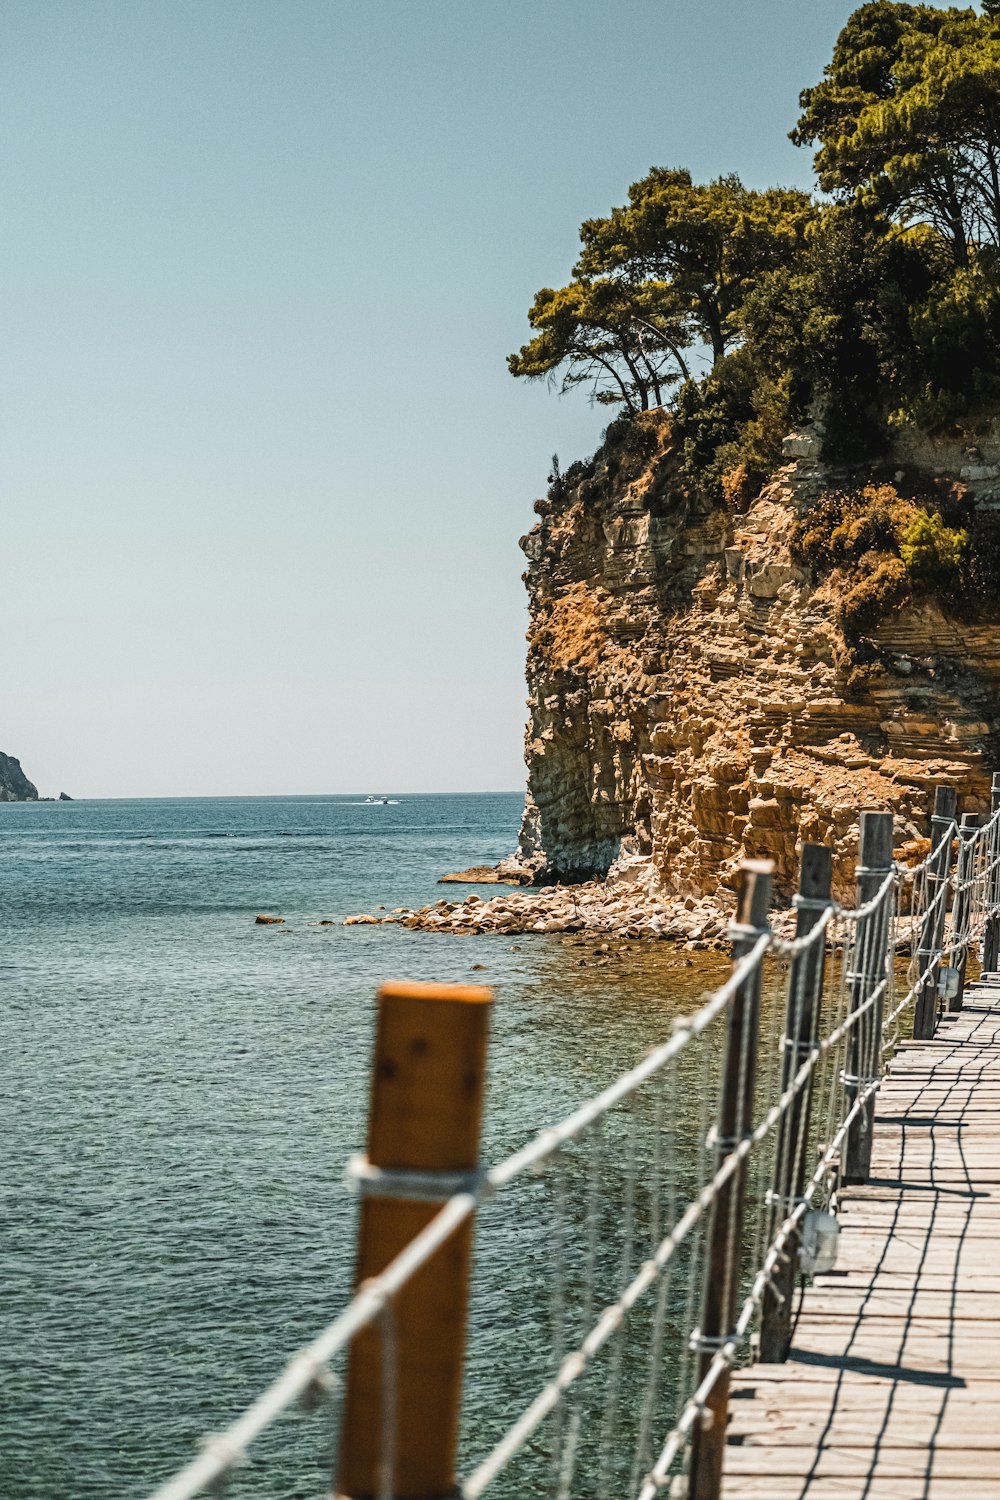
<point x="875" y="301"/>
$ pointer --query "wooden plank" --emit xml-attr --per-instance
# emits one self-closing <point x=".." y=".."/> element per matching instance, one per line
<point x="887" y="1426"/>
<point x="912" y="1302"/>
<point x="808" y="1392"/>
<point x="892" y="1391"/>
<point x="756" y="1389"/>
<point x="861" y="1462"/>
<point x="789" y="1487"/>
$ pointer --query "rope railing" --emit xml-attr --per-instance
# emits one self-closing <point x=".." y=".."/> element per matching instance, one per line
<point x="674" y="1211"/>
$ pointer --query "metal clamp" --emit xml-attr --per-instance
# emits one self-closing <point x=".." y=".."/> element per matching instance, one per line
<point x="415" y="1187"/>
<point x="854" y="1080"/>
<point x="703" y="1343"/>
<point x="747" y="930"/>
<point x="814" y="903"/>
<point x="716" y="1142"/>
<point x="801" y="1046"/>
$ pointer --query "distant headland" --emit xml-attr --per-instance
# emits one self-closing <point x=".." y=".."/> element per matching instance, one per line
<point x="15" y="786"/>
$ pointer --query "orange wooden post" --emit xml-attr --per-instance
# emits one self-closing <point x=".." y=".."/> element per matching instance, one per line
<point x="425" y="1113"/>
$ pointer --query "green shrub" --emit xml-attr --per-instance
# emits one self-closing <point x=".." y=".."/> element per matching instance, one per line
<point x="886" y="548"/>
<point x="874" y="596"/>
<point x="842" y="527"/>
<point x="931" y="551"/>
<point x="734" y="418"/>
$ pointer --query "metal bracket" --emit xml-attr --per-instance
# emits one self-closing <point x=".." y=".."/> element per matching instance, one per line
<point x="416" y="1187"/>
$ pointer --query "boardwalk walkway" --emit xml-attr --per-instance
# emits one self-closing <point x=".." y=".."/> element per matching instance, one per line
<point x="892" y="1389"/>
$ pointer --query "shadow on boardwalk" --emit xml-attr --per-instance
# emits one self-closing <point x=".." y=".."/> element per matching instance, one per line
<point x="892" y="1388"/>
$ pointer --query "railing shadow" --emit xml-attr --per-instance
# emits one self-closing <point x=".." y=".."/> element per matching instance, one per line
<point x="915" y="1130"/>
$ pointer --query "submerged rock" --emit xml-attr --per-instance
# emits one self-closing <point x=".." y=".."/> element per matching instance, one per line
<point x="481" y="875"/>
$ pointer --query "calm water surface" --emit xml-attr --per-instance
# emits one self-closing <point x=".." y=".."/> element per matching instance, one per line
<point x="184" y="1087"/>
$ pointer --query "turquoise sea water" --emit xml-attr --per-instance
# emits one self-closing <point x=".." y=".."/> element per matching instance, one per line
<point x="182" y="1091"/>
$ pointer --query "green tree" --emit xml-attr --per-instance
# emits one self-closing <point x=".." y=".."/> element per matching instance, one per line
<point x="707" y="242"/>
<point x="956" y="334"/>
<point x="839" y="321"/>
<point x="907" y="119"/>
<point x="625" y="342"/>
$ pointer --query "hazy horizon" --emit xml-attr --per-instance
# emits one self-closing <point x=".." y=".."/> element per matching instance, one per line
<point x="392" y="791"/>
<point x="265" y="469"/>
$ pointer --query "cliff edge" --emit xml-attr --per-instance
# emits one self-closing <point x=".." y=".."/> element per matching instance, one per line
<point x="693" y="698"/>
<point x="14" y="785"/>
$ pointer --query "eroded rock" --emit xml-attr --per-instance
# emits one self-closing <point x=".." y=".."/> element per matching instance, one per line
<point x="690" y="697"/>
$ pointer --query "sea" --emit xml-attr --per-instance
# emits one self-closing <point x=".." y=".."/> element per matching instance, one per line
<point x="183" y="1088"/>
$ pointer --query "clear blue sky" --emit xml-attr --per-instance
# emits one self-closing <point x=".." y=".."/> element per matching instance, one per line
<point x="263" y="468"/>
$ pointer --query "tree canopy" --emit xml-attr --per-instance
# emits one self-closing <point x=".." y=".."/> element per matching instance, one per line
<point x="626" y="342"/>
<point x="876" y="304"/>
<point x="907" y="119"/>
<point x="706" y="243"/>
<point x="668" y="271"/>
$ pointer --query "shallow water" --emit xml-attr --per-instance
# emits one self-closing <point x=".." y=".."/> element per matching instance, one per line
<point x="184" y="1087"/>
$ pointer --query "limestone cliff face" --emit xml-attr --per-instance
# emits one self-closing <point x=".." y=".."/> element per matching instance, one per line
<point x="689" y="694"/>
<point x="14" y="785"/>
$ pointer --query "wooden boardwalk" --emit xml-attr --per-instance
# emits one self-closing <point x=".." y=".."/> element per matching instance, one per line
<point x="892" y="1388"/>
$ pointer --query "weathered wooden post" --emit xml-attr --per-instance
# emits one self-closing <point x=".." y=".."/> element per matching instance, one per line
<point x="991" y="933"/>
<point x="735" y="1123"/>
<point x="962" y="910"/>
<point x="870" y="959"/>
<point x="805" y="986"/>
<point x="424" y="1118"/>
<point x="932" y="929"/>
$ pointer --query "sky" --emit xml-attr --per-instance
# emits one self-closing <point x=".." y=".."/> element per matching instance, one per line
<point x="262" y="468"/>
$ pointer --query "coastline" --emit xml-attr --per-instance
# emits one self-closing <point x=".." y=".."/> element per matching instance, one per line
<point x="595" y="908"/>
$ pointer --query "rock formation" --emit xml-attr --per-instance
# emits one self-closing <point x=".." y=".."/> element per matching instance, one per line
<point x="14" y="785"/>
<point x="691" y="700"/>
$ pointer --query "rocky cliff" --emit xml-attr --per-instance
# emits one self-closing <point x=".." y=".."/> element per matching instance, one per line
<point x="14" y="785"/>
<point x="691" y="699"/>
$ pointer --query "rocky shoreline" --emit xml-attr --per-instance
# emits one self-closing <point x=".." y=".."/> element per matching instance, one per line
<point x="595" y="908"/>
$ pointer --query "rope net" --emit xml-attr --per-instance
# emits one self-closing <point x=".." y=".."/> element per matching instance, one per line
<point x="619" y="1224"/>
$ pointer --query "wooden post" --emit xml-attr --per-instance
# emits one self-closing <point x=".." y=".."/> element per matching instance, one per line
<point x="991" y="933"/>
<point x="932" y="930"/>
<point x="805" y="985"/>
<point x="963" y="899"/>
<point x="424" y="1116"/>
<point x="735" y="1122"/>
<point x="870" y="959"/>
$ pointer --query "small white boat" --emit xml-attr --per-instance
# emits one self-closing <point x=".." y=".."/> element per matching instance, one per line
<point x="376" y="802"/>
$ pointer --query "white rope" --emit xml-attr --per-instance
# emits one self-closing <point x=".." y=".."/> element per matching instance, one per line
<point x="861" y="1017"/>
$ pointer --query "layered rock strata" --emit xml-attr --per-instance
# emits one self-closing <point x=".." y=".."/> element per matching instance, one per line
<point x="691" y="701"/>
